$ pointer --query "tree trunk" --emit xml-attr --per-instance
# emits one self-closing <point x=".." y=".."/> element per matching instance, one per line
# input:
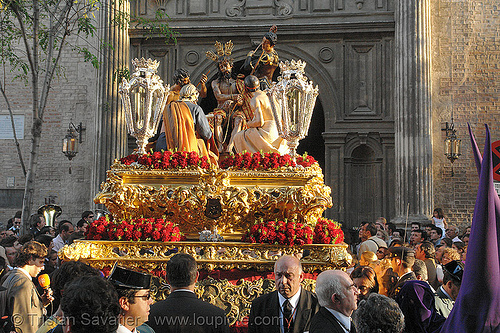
<point x="29" y="187"/>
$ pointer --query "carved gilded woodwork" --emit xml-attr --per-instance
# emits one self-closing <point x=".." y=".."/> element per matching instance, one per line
<point x="230" y="200"/>
<point x="149" y="256"/>
<point x="235" y="299"/>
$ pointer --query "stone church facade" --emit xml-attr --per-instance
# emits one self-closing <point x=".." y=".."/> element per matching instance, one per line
<point x="390" y="73"/>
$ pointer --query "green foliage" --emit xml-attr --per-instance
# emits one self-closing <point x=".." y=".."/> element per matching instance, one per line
<point x="120" y="74"/>
<point x="54" y="21"/>
<point x="87" y="56"/>
<point x="156" y="27"/>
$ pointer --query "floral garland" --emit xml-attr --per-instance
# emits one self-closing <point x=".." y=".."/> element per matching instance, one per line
<point x="133" y="230"/>
<point x="264" y="161"/>
<point x="294" y="233"/>
<point x="328" y="232"/>
<point x="279" y="232"/>
<point x="167" y="160"/>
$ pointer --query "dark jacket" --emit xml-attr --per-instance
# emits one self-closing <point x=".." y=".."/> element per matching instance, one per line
<point x="325" y="322"/>
<point x="264" y="314"/>
<point x="183" y="312"/>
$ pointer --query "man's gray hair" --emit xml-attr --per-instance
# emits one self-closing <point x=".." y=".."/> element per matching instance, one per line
<point x="378" y="314"/>
<point x="189" y="93"/>
<point x="327" y="284"/>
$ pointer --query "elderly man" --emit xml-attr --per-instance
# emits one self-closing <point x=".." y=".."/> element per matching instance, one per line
<point x="337" y="295"/>
<point x="290" y="308"/>
<point x="452" y="233"/>
<point x="135" y="299"/>
<point x="182" y="311"/>
<point x="379" y="313"/>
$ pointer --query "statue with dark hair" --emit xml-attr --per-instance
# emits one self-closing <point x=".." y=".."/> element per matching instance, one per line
<point x="262" y="133"/>
<point x="232" y="101"/>
<point x="265" y="64"/>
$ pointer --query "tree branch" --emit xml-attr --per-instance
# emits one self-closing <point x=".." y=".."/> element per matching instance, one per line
<point x="19" y="153"/>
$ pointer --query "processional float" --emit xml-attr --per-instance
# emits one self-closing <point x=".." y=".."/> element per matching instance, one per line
<point x="223" y="200"/>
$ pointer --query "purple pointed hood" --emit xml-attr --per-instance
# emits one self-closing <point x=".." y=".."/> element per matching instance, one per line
<point x="477" y="308"/>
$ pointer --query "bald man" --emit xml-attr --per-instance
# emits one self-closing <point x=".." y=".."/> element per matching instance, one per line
<point x="290" y="308"/>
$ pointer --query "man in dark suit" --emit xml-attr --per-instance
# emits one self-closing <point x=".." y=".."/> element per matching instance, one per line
<point x="402" y="260"/>
<point x="182" y="311"/>
<point x="290" y="308"/>
<point x="338" y="297"/>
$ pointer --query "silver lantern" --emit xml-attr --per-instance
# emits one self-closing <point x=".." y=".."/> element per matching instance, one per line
<point x="143" y="98"/>
<point x="292" y="101"/>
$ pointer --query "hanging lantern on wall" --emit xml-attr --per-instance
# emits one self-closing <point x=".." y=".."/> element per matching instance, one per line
<point x="292" y="100"/>
<point x="71" y="140"/>
<point x="143" y="99"/>
<point x="451" y="143"/>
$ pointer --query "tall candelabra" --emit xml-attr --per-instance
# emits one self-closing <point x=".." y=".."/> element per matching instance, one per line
<point x="143" y="98"/>
<point x="292" y="102"/>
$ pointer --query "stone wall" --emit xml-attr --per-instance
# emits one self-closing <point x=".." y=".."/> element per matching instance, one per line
<point x="72" y="98"/>
<point x="466" y="81"/>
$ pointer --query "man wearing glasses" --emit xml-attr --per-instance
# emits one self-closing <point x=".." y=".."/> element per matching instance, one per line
<point x="446" y="295"/>
<point x="134" y="298"/>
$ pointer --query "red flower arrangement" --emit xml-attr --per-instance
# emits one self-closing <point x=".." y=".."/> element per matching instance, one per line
<point x="167" y="160"/>
<point x="328" y="232"/>
<point x="279" y="232"/>
<point x="264" y="161"/>
<point x="134" y="230"/>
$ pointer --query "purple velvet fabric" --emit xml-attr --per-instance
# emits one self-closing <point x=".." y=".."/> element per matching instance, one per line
<point x="477" y="308"/>
<point x="416" y="301"/>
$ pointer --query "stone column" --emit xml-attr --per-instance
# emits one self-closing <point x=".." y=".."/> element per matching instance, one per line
<point x="111" y="133"/>
<point x="413" y="110"/>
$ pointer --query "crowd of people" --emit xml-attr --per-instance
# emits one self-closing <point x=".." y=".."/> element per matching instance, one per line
<point x="387" y="289"/>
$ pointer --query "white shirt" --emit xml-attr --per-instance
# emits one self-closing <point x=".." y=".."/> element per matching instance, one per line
<point x="58" y="243"/>
<point x="183" y="290"/>
<point x="444" y="292"/>
<point x="294" y="301"/>
<point x="342" y="318"/>
<point x="123" y="329"/>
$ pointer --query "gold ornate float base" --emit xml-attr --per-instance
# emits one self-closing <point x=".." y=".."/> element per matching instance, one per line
<point x="152" y="257"/>
<point x="229" y="200"/>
